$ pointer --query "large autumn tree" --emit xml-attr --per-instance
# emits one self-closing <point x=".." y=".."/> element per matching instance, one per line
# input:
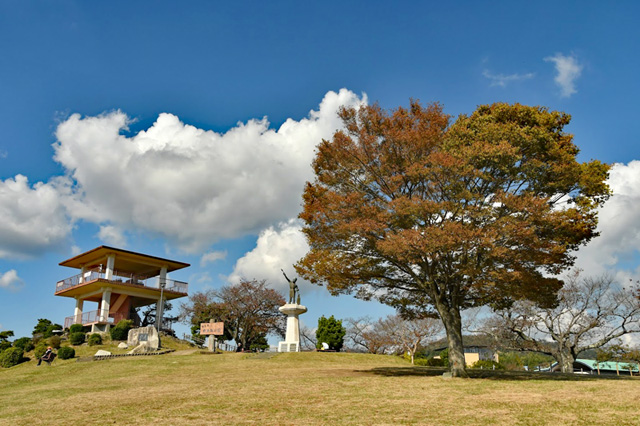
<point x="433" y="218"/>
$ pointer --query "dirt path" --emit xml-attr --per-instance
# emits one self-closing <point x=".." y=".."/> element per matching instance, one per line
<point x="184" y="352"/>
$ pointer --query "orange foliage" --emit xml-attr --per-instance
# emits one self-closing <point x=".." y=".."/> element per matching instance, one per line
<point x="429" y="216"/>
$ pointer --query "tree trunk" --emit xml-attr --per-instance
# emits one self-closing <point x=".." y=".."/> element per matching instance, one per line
<point x="453" y="326"/>
<point x="565" y="359"/>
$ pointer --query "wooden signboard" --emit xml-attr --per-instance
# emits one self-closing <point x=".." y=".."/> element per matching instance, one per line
<point x="211" y="328"/>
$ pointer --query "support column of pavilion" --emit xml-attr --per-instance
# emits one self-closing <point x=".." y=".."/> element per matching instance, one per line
<point x="77" y="313"/>
<point x="105" y="305"/>
<point x="159" y="304"/>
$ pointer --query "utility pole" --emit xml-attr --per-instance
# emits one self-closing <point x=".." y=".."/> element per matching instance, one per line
<point x="160" y="308"/>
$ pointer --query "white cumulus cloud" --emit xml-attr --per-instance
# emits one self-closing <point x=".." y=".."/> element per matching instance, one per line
<point x="212" y="256"/>
<point x="11" y="281"/>
<point x="568" y="70"/>
<point x="33" y="217"/>
<point x="277" y="248"/>
<point x="112" y="236"/>
<point x="190" y="185"/>
<point x="618" y="224"/>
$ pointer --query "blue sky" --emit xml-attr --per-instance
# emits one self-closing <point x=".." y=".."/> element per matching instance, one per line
<point x="185" y="130"/>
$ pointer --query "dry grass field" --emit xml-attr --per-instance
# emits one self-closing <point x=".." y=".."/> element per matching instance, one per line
<point x="299" y="389"/>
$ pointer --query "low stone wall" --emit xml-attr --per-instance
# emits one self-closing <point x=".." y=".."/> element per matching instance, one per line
<point x="102" y="357"/>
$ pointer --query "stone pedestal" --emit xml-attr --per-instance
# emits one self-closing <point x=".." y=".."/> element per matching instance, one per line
<point x="292" y="339"/>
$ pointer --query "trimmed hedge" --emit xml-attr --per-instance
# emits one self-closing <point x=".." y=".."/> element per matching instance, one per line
<point x="433" y="362"/>
<point x="75" y="328"/>
<point x="10" y="357"/>
<point x="66" y="352"/>
<point x="77" y="338"/>
<point x="95" y="339"/>
<point x="121" y="331"/>
<point x="429" y="362"/>
<point x="54" y="342"/>
<point x="40" y="350"/>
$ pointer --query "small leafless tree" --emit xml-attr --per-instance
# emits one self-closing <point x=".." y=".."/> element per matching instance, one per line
<point x="365" y="334"/>
<point x="392" y="334"/>
<point x="410" y="334"/>
<point x="590" y="312"/>
<point x="307" y="338"/>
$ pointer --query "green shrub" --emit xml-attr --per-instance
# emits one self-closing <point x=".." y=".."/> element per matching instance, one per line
<point x="118" y="333"/>
<point x="51" y="329"/>
<point x="487" y="364"/>
<point x="40" y="350"/>
<point x="54" y="342"/>
<point x="420" y="361"/>
<point x="444" y="356"/>
<point x="25" y="343"/>
<point x="434" y="362"/>
<point x="75" y="328"/>
<point x="66" y="352"/>
<point x="121" y="331"/>
<point x="330" y="331"/>
<point x="4" y="339"/>
<point x="76" y="338"/>
<point x="95" y="339"/>
<point x="428" y="362"/>
<point x="10" y="357"/>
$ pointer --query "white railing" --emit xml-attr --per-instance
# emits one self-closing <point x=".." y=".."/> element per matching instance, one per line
<point x="119" y="277"/>
<point x="92" y="317"/>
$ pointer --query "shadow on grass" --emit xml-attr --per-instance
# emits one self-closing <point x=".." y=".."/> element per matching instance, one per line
<point x="490" y="374"/>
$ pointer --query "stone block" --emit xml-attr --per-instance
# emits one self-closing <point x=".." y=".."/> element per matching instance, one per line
<point x="123" y="345"/>
<point x="146" y="336"/>
<point x="102" y="352"/>
<point x="140" y="349"/>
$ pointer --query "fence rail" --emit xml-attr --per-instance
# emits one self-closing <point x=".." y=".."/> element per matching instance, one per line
<point x="122" y="277"/>
<point x="224" y="346"/>
<point x="92" y="317"/>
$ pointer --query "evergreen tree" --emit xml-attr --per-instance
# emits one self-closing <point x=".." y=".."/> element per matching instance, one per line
<point x="331" y="332"/>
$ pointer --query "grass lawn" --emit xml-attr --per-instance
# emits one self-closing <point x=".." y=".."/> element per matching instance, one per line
<point x="299" y="389"/>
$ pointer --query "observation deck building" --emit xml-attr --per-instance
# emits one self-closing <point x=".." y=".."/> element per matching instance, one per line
<point x="119" y="281"/>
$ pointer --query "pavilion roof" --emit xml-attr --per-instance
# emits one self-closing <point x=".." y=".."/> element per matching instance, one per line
<point x="125" y="261"/>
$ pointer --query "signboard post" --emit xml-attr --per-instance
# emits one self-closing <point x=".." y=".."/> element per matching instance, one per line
<point x="212" y="329"/>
